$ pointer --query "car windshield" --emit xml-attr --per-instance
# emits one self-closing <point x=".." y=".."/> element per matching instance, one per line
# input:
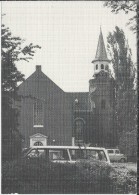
<point x="35" y="153"/>
<point x="25" y="151"/>
<point x="87" y="154"/>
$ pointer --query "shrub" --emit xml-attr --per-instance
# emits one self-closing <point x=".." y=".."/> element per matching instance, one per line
<point x="124" y="180"/>
<point x="95" y="175"/>
<point x="39" y="176"/>
<point x="128" y="145"/>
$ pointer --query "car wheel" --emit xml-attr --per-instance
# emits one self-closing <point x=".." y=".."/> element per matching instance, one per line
<point x="122" y="160"/>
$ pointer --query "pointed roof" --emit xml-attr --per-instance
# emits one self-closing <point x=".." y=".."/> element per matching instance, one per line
<point x="101" y="54"/>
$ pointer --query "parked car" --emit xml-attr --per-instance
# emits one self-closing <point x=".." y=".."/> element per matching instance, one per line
<point x="71" y="154"/>
<point x="116" y="156"/>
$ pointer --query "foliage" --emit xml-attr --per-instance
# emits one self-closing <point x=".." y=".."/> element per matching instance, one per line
<point x="128" y="144"/>
<point x="121" y="58"/>
<point x="12" y="51"/>
<point x="126" y="6"/>
<point x="124" y="73"/>
<point x="125" y="180"/>
<point x="117" y="5"/>
<point x="40" y="176"/>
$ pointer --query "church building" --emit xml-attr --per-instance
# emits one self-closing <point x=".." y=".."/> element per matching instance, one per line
<point x="50" y="116"/>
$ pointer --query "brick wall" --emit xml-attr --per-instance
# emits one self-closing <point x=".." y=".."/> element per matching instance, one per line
<point x="57" y="110"/>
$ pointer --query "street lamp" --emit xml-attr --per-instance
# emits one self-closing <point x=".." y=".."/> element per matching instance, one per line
<point x="76" y="101"/>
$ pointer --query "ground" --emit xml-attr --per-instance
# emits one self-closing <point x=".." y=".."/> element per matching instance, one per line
<point x="129" y="165"/>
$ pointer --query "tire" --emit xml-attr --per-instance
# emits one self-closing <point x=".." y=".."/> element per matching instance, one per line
<point x="122" y="160"/>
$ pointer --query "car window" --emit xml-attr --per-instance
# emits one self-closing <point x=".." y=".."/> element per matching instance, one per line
<point x="117" y="151"/>
<point x="77" y="154"/>
<point x="87" y="154"/>
<point x="110" y="151"/>
<point x="58" y="154"/>
<point x="35" y="153"/>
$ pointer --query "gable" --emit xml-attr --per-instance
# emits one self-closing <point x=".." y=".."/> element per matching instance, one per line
<point x="39" y="83"/>
<point x="38" y="135"/>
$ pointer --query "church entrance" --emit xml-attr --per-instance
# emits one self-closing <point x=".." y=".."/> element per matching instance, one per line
<point x="38" y="140"/>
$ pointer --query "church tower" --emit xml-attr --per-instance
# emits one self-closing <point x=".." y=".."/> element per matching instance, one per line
<point x="101" y="62"/>
<point x="102" y="97"/>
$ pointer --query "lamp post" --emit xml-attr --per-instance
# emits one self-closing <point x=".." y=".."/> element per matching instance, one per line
<point x="76" y="116"/>
<point x="75" y="103"/>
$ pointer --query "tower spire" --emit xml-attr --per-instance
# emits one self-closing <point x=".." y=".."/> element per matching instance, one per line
<point x="101" y="54"/>
<point x="101" y="61"/>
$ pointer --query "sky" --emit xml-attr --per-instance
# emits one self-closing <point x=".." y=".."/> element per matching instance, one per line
<point x="68" y="33"/>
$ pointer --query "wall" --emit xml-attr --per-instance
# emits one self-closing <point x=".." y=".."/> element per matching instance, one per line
<point x="57" y="115"/>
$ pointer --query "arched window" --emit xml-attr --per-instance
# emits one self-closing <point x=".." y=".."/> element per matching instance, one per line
<point x="102" y="66"/>
<point x="96" y="66"/>
<point x="79" y="129"/>
<point x="38" y="144"/>
<point x="106" y="67"/>
<point x="103" y="104"/>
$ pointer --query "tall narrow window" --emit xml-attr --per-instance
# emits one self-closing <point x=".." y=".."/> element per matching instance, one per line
<point x="38" y="114"/>
<point x="106" y="67"/>
<point x="102" y="66"/>
<point x="103" y="104"/>
<point x="79" y="129"/>
<point x="96" y="66"/>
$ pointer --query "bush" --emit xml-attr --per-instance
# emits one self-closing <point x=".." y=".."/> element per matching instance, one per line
<point x="39" y="176"/>
<point x="95" y="176"/>
<point x="128" y="145"/>
<point x="125" y="181"/>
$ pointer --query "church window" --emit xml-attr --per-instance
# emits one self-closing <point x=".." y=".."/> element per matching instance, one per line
<point x="79" y="129"/>
<point x="96" y="66"/>
<point x="103" y="104"/>
<point x="38" y="114"/>
<point x="102" y="66"/>
<point x="106" y="67"/>
<point x="38" y="144"/>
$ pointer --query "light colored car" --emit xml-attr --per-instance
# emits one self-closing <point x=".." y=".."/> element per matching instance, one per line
<point x="70" y="154"/>
<point x="116" y="156"/>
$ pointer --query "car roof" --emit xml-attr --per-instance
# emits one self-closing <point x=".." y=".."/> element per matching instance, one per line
<point x="68" y="147"/>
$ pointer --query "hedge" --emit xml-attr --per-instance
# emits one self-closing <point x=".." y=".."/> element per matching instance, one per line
<point x="35" y="176"/>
